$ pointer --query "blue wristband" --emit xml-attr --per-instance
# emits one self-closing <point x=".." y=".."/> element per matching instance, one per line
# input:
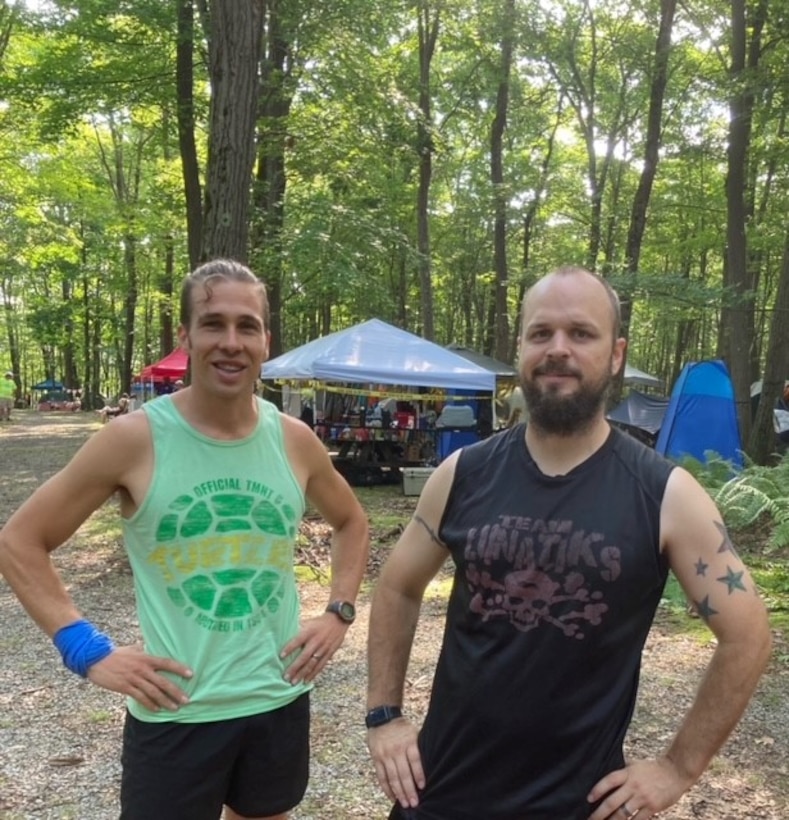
<point x="81" y="645"/>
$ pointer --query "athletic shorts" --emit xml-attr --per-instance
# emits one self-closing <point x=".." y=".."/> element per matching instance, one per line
<point x="257" y="765"/>
<point x="399" y="813"/>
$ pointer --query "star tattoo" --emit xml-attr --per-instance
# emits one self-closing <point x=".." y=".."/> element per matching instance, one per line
<point x="704" y="609"/>
<point x="726" y="545"/>
<point x="701" y="567"/>
<point x="732" y="579"/>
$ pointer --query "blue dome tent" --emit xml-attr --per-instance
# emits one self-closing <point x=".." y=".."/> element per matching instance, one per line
<point x="702" y="416"/>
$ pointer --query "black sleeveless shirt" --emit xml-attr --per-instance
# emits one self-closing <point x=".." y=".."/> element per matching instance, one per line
<point x="556" y="584"/>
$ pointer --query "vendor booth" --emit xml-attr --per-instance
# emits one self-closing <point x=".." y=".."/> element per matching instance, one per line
<point x="160" y="377"/>
<point x="172" y="366"/>
<point x="379" y="392"/>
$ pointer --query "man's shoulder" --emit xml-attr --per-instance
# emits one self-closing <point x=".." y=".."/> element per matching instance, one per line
<point x="129" y="429"/>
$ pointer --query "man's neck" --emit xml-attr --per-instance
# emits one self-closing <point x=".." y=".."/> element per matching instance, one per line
<point x="557" y="455"/>
<point x="217" y="417"/>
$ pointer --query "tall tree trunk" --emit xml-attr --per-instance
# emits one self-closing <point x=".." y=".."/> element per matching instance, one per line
<point x="528" y="227"/>
<point x="761" y="443"/>
<point x="428" y="34"/>
<point x="233" y="54"/>
<point x="129" y="309"/>
<point x="270" y="180"/>
<point x="185" y="116"/>
<point x="638" y="213"/>
<point x="166" y="318"/>
<point x="124" y="173"/>
<point x="737" y="320"/>
<point x="70" y="373"/>
<point x="500" y="198"/>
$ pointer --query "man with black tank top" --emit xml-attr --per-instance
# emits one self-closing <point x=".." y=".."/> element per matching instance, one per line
<point x="562" y="532"/>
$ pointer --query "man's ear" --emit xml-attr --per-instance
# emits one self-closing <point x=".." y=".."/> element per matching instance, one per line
<point x="618" y="355"/>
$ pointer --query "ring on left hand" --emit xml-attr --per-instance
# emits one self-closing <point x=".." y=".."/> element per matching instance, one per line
<point x="317" y="657"/>
<point x="628" y="814"/>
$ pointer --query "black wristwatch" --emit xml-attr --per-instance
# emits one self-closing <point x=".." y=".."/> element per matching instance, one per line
<point x="344" y="610"/>
<point x="381" y="715"/>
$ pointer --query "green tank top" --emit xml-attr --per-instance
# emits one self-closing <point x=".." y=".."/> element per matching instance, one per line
<point x="211" y="550"/>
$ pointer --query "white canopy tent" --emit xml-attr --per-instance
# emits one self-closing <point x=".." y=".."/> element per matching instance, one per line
<point x="375" y="352"/>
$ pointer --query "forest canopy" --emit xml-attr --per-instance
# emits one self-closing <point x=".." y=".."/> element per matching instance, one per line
<point x="419" y="162"/>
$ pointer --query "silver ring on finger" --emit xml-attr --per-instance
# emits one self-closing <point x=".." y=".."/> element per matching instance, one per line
<point x="629" y="814"/>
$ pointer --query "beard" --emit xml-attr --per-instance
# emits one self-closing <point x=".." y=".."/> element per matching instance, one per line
<point x="559" y="415"/>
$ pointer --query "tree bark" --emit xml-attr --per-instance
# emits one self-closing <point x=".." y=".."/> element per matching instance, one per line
<point x="428" y="34"/>
<point x="185" y="117"/>
<point x="270" y="180"/>
<point x="233" y="54"/>
<point x="737" y="319"/>
<point x="638" y="213"/>
<point x="761" y="444"/>
<point x="502" y="323"/>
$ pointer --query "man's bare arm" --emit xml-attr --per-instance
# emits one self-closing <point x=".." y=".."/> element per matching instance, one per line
<point x="107" y="462"/>
<point x="712" y="575"/>
<point x="416" y="558"/>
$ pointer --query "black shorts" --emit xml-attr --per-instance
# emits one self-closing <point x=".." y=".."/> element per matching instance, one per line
<point x="257" y="765"/>
<point x="399" y="813"/>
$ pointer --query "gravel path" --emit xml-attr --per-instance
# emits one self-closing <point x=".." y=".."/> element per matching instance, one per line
<point x="60" y="736"/>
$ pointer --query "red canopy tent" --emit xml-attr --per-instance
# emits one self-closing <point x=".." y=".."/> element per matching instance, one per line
<point x="173" y="365"/>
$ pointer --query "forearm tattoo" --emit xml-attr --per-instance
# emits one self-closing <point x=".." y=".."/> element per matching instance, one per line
<point x="733" y="579"/>
<point x="431" y="532"/>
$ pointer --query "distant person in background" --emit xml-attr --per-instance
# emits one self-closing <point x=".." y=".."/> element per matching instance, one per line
<point x="783" y="402"/>
<point x="75" y="402"/>
<point x="166" y="387"/>
<point x="782" y="418"/>
<point x="7" y="393"/>
<point x="179" y="385"/>
<point x="113" y="411"/>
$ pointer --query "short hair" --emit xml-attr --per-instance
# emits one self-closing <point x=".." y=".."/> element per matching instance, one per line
<point x="613" y="297"/>
<point x="219" y="270"/>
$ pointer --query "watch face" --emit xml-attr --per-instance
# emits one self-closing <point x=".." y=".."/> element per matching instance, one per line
<point x="346" y="611"/>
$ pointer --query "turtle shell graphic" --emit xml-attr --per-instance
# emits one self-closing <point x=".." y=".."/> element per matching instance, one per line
<point x="228" y="593"/>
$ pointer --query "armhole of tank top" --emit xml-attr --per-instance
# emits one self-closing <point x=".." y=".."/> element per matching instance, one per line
<point x="152" y="415"/>
<point x="273" y="422"/>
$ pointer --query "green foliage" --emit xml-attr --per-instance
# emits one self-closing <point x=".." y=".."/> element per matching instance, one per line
<point x="755" y="493"/>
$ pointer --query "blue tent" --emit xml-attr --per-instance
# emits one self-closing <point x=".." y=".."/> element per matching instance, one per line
<point x="375" y="352"/>
<point x="702" y="415"/>
<point x="49" y="384"/>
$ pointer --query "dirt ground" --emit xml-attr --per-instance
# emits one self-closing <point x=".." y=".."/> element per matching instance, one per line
<point x="60" y="736"/>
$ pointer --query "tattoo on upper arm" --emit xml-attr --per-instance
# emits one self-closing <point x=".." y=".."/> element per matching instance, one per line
<point x="732" y="579"/>
<point x="431" y="532"/>
<point x="726" y="544"/>
<point x="704" y="608"/>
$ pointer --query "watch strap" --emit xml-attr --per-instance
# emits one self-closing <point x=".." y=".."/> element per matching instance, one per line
<point x="380" y="715"/>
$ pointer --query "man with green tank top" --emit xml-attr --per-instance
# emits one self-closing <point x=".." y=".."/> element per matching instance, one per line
<point x="212" y="482"/>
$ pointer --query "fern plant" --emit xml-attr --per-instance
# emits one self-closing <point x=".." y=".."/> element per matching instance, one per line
<point x="754" y="492"/>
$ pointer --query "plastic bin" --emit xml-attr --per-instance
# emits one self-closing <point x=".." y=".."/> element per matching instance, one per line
<point x="414" y="479"/>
